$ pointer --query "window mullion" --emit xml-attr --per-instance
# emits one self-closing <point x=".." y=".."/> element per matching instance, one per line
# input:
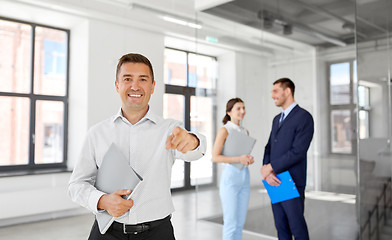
<point x="32" y="101"/>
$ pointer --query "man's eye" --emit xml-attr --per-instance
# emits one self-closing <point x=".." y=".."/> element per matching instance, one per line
<point x="127" y="79"/>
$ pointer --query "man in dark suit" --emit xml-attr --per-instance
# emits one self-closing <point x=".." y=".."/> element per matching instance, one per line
<point x="286" y="150"/>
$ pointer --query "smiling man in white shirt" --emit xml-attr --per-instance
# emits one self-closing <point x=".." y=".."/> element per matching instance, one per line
<point x="151" y="144"/>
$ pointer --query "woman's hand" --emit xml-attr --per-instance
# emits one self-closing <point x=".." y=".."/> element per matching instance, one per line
<point x="246" y="159"/>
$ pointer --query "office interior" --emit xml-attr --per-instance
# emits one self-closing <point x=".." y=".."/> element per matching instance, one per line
<point x="204" y="52"/>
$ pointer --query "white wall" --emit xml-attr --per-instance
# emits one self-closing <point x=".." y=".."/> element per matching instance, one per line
<point x="35" y="197"/>
<point x="252" y="76"/>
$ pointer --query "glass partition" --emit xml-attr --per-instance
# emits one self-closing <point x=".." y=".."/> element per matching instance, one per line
<point x="374" y="118"/>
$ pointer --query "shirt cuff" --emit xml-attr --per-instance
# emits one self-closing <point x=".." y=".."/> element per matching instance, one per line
<point x="93" y="201"/>
<point x="202" y="143"/>
<point x="198" y="152"/>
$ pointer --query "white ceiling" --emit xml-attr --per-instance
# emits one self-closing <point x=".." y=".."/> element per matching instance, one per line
<point x="148" y="15"/>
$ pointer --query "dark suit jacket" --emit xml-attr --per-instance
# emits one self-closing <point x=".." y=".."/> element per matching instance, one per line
<point x="288" y="144"/>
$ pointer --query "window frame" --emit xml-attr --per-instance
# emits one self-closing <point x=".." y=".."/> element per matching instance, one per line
<point x="188" y="92"/>
<point x="31" y="167"/>
<point x="351" y="106"/>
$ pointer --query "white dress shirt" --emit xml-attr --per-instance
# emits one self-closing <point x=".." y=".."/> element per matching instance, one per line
<point x="230" y="126"/>
<point x="144" y="145"/>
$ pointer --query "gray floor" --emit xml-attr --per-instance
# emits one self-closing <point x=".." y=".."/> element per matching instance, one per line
<point x="329" y="216"/>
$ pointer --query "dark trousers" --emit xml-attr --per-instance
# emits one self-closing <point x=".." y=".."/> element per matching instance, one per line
<point x="289" y="218"/>
<point x="162" y="232"/>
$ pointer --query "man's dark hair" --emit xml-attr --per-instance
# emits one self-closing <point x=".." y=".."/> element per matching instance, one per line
<point x="286" y="83"/>
<point x="134" y="58"/>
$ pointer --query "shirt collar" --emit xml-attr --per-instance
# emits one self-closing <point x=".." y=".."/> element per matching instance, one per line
<point x="288" y="110"/>
<point x="149" y="116"/>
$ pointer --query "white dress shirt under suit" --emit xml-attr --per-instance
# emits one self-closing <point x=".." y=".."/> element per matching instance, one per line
<point x="144" y="145"/>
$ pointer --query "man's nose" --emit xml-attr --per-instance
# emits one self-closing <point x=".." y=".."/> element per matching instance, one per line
<point x="134" y="85"/>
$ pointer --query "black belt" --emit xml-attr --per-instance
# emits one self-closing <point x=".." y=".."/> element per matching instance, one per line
<point x="138" y="228"/>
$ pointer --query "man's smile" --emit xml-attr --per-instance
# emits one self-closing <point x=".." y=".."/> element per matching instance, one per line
<point x="135" y="95"/>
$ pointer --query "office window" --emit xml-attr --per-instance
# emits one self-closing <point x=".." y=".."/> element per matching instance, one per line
<point x="340" y="83"/>
<point x="33" y="96"/>
<point x="342" y="105"/>
<point x="190" y="81"/>
<point x="345" y="94"/>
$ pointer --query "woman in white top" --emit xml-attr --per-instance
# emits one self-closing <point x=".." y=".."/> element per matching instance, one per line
<point x="234" y="183"/>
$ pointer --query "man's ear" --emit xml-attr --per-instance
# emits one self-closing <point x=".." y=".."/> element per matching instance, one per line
<point x="153" y="87"/>
<point x="116" y="84"/>
<point x="288" y="91"/>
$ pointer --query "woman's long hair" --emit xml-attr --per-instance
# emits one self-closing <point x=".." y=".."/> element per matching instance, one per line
<point x="229" y="106"/>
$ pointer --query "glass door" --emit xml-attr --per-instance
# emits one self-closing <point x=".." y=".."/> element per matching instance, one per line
<point x="189" y="98"/>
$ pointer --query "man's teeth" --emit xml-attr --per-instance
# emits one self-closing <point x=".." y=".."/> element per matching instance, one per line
<point x="134" y="95"/>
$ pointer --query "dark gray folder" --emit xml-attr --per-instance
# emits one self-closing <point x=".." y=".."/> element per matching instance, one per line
<point x="114" y="174"/>
<point x="238" y="144"/>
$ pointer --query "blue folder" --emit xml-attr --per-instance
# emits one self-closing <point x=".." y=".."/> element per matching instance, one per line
<point x="285" y="191"/>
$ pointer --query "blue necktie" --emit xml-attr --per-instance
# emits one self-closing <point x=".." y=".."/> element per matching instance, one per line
<point x="281" y="119"/>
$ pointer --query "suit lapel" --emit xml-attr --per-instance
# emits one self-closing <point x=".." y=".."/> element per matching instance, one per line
<point x="291" y="114"/>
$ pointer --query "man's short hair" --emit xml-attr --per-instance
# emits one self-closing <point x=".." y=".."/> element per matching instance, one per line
<point x="134" y="58"/>
<point x="286" y="83"/>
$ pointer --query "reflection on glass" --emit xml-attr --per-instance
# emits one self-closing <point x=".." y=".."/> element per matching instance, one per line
<point x="363" y="115"/>
<point x="340" y="83"/>
<point x="50" y="61"/>
<point x="363" y="96"/>
<point x="375" y="152"/>
<point x="177" y="179"/>
<point x="202" y="70"/>
<point x="341" y="131"/>
<point x="355" y="80"/>
<point x="49" y="132"/>
<point x="175" y="67"/>
<point x="363" y="124"/>
<point x="201" y="121"/>
<point x="173" y="107"/>
<point x="15" y="59"/>
<point x="14" y="128"/>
